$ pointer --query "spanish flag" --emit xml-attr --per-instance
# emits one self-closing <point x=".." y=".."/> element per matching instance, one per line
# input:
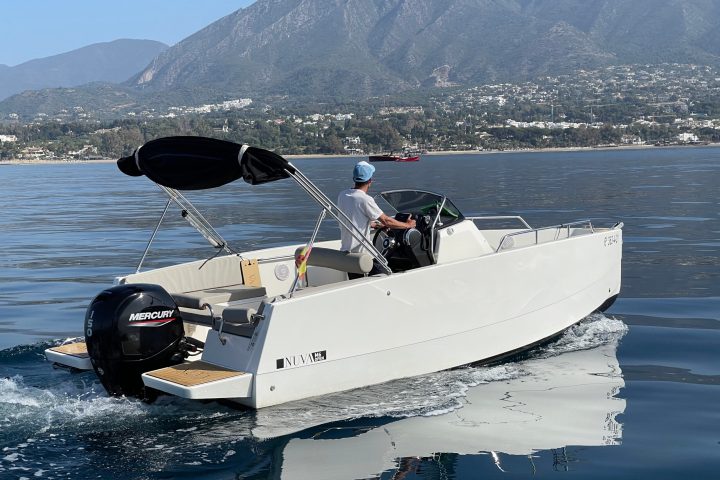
<point x="301" y="261"/>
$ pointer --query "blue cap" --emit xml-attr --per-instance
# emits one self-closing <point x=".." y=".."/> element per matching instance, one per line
<point x="363" y="172"/>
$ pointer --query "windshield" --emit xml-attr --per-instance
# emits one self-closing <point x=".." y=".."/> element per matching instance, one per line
<point x="422" y="203"/>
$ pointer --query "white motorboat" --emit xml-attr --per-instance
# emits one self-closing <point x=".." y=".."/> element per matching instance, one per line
<point x="275" y="325"/>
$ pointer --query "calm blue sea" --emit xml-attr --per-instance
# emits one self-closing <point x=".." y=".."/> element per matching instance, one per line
<point x="632" y="394"/>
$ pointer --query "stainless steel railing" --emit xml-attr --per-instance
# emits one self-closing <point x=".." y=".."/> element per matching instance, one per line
<point x="587" y="224"/>
<point x="505" y="217"/>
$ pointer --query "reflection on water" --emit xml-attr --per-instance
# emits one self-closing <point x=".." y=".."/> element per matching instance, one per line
<point x="668" y="374"/>
<point x="558" y="401"/>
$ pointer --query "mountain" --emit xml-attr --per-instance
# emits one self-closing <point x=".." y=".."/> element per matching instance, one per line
<point x="314" y="50"/>
<point x="368" y="47"/>
<point x="111" y="61"/>
<point x="641" y="31"/>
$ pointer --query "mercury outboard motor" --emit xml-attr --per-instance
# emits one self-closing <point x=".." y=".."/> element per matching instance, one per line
<point x="131" y="329"/>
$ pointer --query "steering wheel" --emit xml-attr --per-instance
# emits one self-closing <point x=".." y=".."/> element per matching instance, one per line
<point x="384" y="241"/>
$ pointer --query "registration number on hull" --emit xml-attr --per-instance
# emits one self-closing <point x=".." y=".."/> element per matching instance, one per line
<point x="612" y="239"/>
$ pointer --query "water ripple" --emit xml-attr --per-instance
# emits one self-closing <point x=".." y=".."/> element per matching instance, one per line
<point x="660" y="373"/>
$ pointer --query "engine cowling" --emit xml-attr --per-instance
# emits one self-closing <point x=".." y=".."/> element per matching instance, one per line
<point x="131" y="329"/>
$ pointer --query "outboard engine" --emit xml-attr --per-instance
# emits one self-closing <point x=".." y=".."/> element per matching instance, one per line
<point x="131" y="329"/>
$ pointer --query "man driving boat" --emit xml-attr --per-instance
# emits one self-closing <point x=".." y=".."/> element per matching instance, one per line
<point x="363" y="211"/>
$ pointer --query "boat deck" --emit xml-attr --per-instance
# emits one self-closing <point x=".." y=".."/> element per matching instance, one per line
<point x="194" y="373"/>
<point x="73" y="355"/>
<point x="78" y="349"/>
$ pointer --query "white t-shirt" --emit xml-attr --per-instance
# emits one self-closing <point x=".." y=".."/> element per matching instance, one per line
<point x="362" y="211"/>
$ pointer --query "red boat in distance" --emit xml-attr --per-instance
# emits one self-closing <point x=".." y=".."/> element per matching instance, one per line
<point x="394" y="158"/>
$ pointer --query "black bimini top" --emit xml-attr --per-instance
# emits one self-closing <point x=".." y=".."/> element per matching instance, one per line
<point x="197" y="163"/>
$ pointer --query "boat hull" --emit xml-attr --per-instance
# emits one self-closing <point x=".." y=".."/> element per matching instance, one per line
<point x="376" y="329"/>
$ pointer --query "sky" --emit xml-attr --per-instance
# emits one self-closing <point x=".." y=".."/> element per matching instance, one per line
<point x="32" y="29"/>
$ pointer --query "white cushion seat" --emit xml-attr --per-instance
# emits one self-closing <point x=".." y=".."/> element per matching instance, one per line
<point x="212" y="296"/>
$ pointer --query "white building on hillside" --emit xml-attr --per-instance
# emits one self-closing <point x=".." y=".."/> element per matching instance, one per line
<point x="687" y="137"/>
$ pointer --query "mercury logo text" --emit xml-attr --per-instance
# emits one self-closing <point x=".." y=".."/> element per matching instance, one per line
<point x="160" y="315"/>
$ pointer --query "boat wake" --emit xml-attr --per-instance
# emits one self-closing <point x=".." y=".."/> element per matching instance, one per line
<point x="43" y="410"/>
<point x="595" y="330"/>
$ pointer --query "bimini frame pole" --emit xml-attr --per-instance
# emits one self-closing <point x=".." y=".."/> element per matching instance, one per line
<point x="332" y="209"/>
<point x="196" y="219"/>
<point x="152" y="237"/>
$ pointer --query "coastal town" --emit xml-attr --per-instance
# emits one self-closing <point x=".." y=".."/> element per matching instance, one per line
<point x="632" y="105"/>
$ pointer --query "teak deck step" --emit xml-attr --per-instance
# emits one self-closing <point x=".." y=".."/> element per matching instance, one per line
<point x="193" y="373"/>
<point x="77" y="349"/>
<point x="73" y="355"/>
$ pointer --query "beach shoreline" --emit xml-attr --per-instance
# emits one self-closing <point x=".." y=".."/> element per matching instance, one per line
<point x="429" y="154"/>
